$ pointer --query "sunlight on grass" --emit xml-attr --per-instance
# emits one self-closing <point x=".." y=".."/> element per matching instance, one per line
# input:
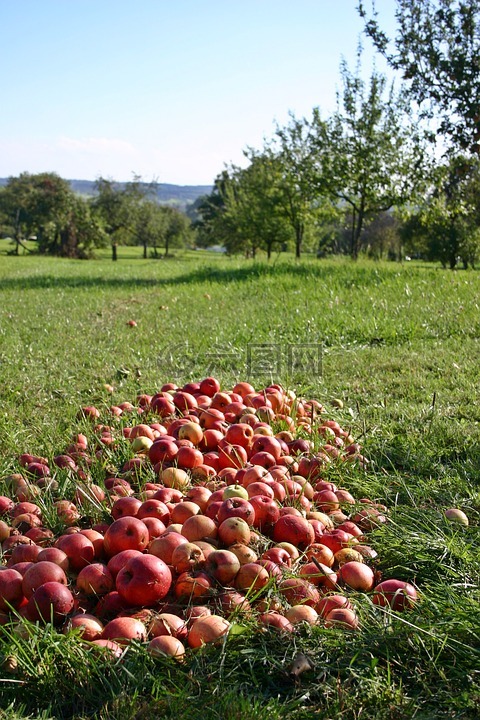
<point x="398" y="344"/>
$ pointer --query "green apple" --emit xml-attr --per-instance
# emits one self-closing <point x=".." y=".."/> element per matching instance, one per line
<point x="235" y="491"/>
<point x="141" y="444"/>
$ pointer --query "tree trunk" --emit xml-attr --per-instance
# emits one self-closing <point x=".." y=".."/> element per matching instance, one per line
<point x="114" y="251"/>
<point x="353" y="252"/>
<point x="145" y="251"/>
<point x="357" y="227"/>
<point x="298" y="241"/>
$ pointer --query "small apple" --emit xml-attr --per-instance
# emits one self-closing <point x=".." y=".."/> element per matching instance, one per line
<point x="235" y="491"/>
<point x="456" y="516"/>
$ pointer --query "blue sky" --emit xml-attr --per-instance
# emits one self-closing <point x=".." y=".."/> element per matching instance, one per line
<point x="171" y="90"/>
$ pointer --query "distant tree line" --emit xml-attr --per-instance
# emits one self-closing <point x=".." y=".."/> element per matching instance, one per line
<point x="43" y="207"/>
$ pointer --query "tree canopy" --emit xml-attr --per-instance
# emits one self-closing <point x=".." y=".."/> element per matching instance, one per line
<point x="436" y="48"/>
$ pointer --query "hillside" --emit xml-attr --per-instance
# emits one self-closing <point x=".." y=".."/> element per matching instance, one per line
<point x="167" y="194"/>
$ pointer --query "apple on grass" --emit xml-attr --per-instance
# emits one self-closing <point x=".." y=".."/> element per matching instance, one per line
<point x="236" y="507"/>
<point x="209" y="629"/>
<point x="223" y="565"/>
<point x="235" y="491"/>
<point x="79" y="549"/>
<point x="192" y="584"/>
<point x="123" y="630"/>
<point x="95" y="579"/>
<point x="166" y="646"/>
<point x="51" y="602"/>
<point x="88" y="626"/>
<point x="126" y="533"/>
<point x="40" y="573"/>
<point x="144" y="580"/>
<point x="11" y="590"/>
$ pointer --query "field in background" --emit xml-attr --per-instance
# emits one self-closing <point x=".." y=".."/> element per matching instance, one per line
<point x="399" y="344"/>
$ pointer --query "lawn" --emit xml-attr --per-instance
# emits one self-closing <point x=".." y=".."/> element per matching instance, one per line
<point x="397" y="343"/>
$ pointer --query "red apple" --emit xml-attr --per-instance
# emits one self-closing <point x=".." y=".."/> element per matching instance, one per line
<point x="397" y="594"/>
<point x="236" y="507"/>
<point x="144" y="580"/>
<point x="223" y="565"/>
<point x="88" y="626"/>
<point x="95" y="579"/>
<point x="277" y="621"/>
<point x="154" y="508"/>
<point x="182" y="511"/>
<point x="302" y="614"/>
<point x="357" y="576"/>
<point x="244" y="553"/>
<point x="299" y="591"/>
<point x="166" y="646"/>
<point x="124" y="629"/>
<point x="187" y="556"/>
<point x="199" y="527"/>
<point x="330" y="602"/>
<point x="55" y="555"/>
<point x="79" y="549"/>
<point x="168" y="624"/>
<point x="126" y="533"/>
<point x="251" y="577"/>
<point x="117" y="561"/>
<point x="11" y="589"/>
<point x="50" y="602"/>
<point x="40" y="573"/>
<point x="164" y="449"/>
<point x="164" y="546"/>
<point x="207" y="629"/>
<point x="125" y="506"/>
<point x="234" y="530"/>
<point x="267" y="513"/>
<point x="209" y="386"/>
<point x="192" y="584"/>
<point x="295" y="530"/>
<point x="342" y="617"/>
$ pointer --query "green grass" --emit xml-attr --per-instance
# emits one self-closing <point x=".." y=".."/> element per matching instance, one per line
<point x="398" y="343"/>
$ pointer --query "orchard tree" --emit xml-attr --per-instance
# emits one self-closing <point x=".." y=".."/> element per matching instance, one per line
<point x="254" y="211"/>
<point x="298" y="183"/>
<point x="369" y="155"/>
<point x="437" y="51"/>
<point x="210" y="227"/>
<point x="446" y="226"/>
<point x="149" y="226"/>
<point x="45" y="207"/>
<point x="117" y="205"/>
<point x="15" y="210"/>
<point x="177" y="230"/>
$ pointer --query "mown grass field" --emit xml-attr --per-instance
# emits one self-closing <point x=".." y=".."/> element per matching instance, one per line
<point x="399" y="344"/>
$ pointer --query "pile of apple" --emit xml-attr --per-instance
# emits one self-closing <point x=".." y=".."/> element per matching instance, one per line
<point x="222" y="510"/>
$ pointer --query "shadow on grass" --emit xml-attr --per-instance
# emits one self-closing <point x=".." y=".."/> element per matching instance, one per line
<point x="349" y="275"/>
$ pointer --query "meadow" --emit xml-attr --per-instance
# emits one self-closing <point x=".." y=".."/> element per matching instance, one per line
<point x="397" y="343"/>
